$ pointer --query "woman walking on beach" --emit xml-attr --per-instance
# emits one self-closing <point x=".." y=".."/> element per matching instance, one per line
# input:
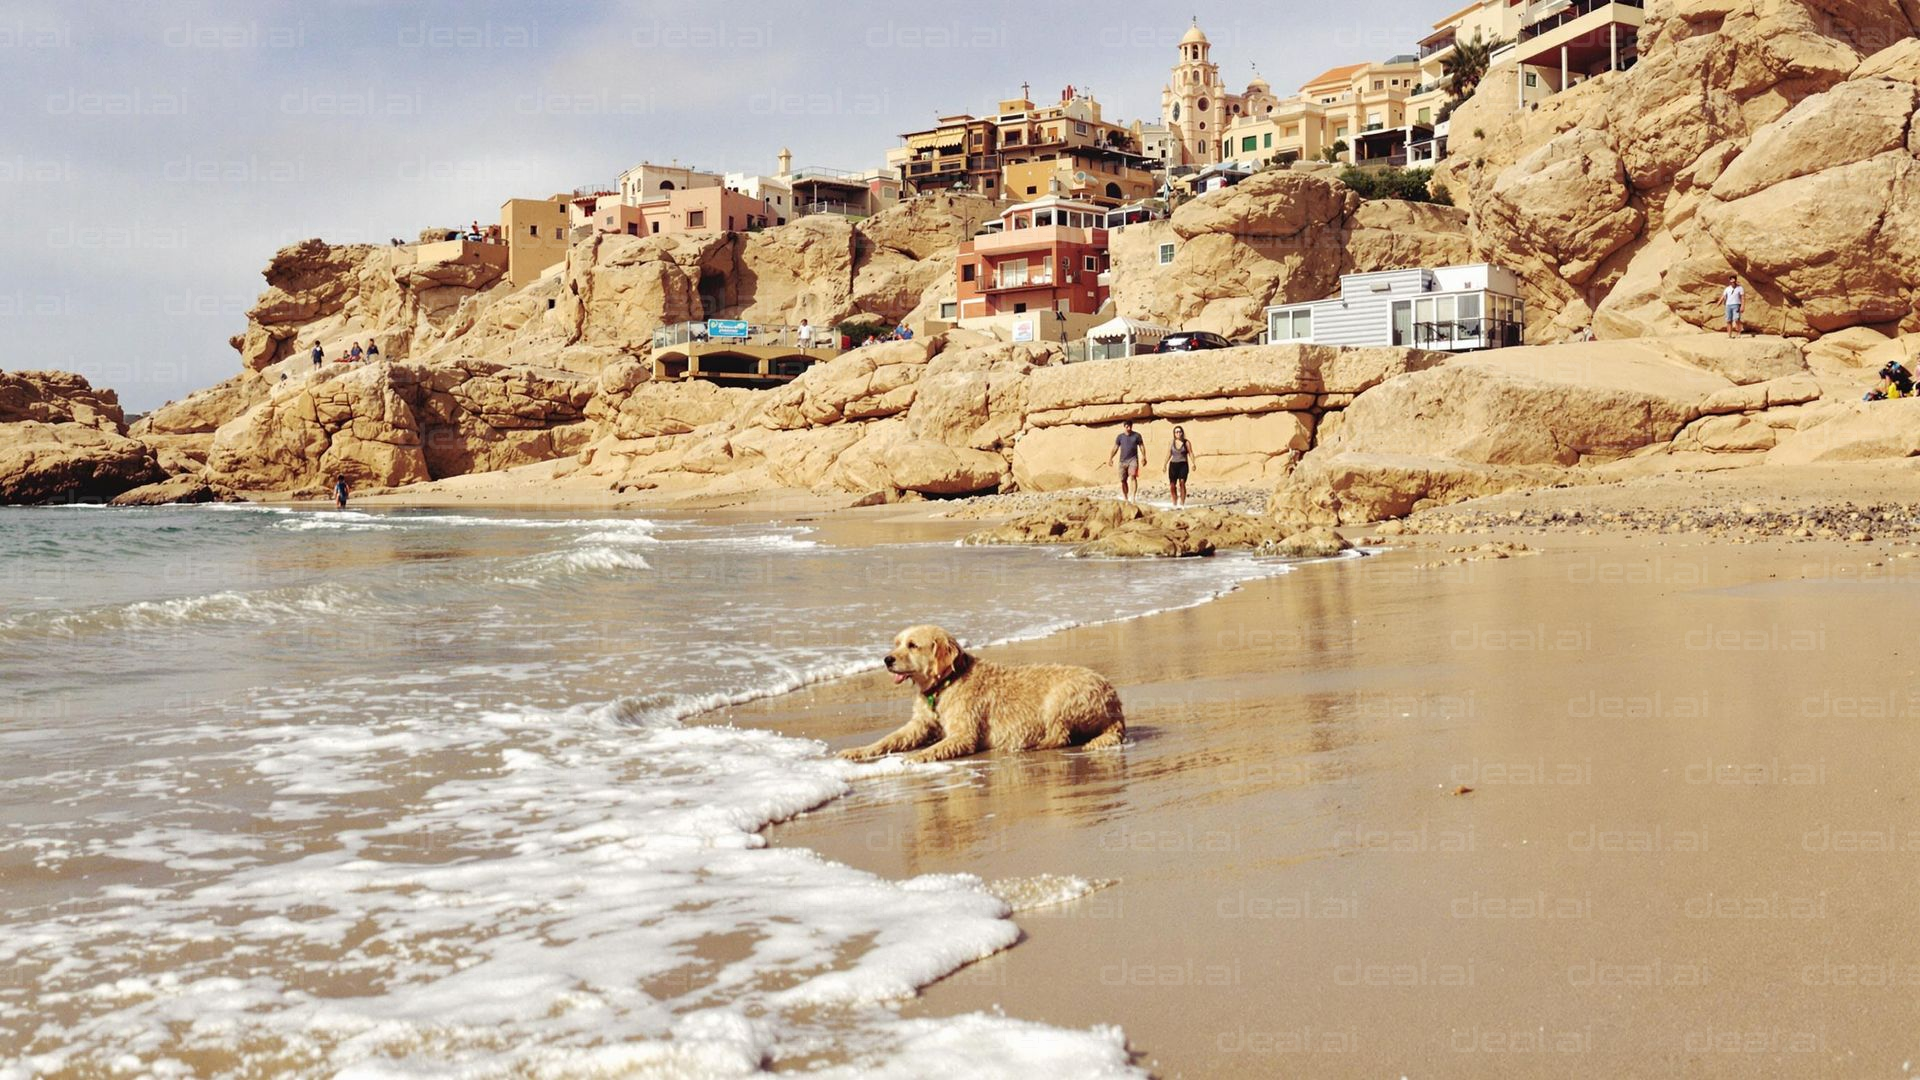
<point x="1178" y="459"/>
<point x="340" y="493"/>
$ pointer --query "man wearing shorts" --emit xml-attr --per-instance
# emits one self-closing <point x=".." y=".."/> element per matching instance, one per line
<point x="1131" y="449"/>
<point x="1735" y="298"/>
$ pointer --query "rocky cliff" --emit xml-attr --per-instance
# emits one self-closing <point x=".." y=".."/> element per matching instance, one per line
<point x="1766" y="138"/>
<point x="62" y="440"/>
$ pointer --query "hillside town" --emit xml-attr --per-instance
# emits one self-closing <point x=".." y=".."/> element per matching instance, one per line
<point x="1063" y="178"/>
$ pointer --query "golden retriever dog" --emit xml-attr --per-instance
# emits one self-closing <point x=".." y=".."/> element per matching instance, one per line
<point x="967" y="705"/>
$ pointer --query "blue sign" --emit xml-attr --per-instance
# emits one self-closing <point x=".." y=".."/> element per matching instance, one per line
<point x="727" y="328"/>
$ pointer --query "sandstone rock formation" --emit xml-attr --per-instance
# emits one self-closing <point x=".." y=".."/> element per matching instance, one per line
<point x="62" y="440"/>
<point x="177" y="490"/>
<point x="392" y="424"/>
<point x="1277" y="237"/>
<point x="1764" y="139"/>
<point x="181" y="432"/>
<point x="1107" y="527"/>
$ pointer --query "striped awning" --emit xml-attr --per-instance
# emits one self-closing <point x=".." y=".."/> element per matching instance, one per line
<point x="938" y="140"/>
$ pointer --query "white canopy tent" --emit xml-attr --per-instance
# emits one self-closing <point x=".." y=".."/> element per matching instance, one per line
<point x="1121" y="336"/>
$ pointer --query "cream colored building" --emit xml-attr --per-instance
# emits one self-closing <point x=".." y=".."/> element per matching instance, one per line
<point x="1360" y="110"/>
<point x="646" y="181"/>
<point x="1552" y="44"/>
<point x="536" y="235"/>
<point x="1197" y="107"/>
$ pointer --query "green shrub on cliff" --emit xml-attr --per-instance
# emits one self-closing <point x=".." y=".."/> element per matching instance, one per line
<point x="1411" y="185"/>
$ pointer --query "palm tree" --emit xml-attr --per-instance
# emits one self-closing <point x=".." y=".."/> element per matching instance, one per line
<point x="1462" y="71"/>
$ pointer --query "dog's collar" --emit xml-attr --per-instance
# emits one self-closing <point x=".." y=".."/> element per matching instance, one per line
<point x="932" y="693"/>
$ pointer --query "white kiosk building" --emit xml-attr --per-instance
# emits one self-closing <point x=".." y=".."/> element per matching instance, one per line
<point x="1446" y="308"/>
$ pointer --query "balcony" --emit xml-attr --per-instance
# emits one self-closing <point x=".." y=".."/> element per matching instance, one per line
<point x="1545" y="18"/>
<point x="1037" y="238"/>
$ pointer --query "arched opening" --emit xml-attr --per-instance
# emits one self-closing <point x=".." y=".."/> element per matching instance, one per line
<point x="1114" y="192"/>
<point x="666" y="185"/>
<point x="1201" y="105"/>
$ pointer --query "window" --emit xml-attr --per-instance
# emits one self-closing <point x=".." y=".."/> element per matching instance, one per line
<point x="696" y="219"/>
<point x="1378" y="85"/>
<point x="1031" y="190"/>
<point x="1166" y="254"/>
<point x="1011" y="275"/>
<point x="1046" y="271"/>
<point x="1294" y="325"/>
<point x="1092" y="263"/>
<point x="1533" y="79"/>
<point x="1266" y="141"/>
<point x="966" y="271"/>
<point x="656" y="228"/>
<point x="729" y="222"/>
<point x="1249" y="143"/>
<point x="633" y="229"/>
<point x="533" y="231"/>
<point x="1079" y="129"/>
<point x="1426" y="117"/>
<point x="1019" y="309"/>
<point x="948" y="310"/>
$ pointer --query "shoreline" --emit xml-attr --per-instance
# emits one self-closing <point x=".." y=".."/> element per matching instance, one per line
<point x="1299" y="888"/>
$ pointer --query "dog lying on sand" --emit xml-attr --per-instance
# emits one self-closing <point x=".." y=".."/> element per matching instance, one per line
<point x="967" y="705"/>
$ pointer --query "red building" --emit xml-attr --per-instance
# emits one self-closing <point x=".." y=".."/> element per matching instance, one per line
<point x="1044" y="255"/>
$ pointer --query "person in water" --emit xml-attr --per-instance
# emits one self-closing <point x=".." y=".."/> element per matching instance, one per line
<point x="1179" y="459"/>
<point x="340" y="493"/>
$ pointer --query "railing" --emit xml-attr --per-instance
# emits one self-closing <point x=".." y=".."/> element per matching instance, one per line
<point x="827" y="207"/>
<point x="1437" y="47"/>
<point x="1553" y="15"/>
<point x="826" y="339"/>
<point x="1465" y="334"/>
<point x="815" y="172"/>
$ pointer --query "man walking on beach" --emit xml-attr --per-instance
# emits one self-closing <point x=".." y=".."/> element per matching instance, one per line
<point x="1735" y="298"/>
<point x="1131" y="449"/>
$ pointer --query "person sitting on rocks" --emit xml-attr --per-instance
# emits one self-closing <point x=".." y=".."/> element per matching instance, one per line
<point x="1895" y="382"/>
<point x="354" y="354"/>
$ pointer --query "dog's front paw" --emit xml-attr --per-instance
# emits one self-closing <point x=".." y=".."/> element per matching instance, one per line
<point x="859" y="753"/>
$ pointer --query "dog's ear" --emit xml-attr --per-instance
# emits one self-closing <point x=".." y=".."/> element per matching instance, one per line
<point x="946" y="654"/>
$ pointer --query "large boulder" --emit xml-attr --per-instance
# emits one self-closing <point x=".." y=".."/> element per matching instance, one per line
<point x="181" y="432"/>
<point x="61" y="440"/>
<point x="1554" y="405"/>
<point x="1865" y="431"/>
<point x="393" y="424"/>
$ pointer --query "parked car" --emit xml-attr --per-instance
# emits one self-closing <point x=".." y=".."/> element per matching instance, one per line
<point x="1193" y="341"/>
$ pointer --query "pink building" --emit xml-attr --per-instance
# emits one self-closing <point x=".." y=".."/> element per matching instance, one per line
<point x="690" y="212"/>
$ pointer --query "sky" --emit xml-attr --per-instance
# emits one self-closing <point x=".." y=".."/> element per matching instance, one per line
<point x="154" y="155"/>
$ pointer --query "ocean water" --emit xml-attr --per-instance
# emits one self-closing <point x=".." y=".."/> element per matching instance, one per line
<point x="427" y="793"/>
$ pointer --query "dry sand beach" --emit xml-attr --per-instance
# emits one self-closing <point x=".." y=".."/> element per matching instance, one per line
<point x="1636" y="805"/>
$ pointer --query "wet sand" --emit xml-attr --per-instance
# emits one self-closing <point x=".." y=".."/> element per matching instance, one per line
<point x="1690" y="844"/>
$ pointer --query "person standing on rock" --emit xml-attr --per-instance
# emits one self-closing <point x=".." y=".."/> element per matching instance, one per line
<point x="373" y="351"/>
<point x="1735" y="298"/>
<point x="806" y="336"/>
<point x="1131" y="449"/>
<point x="319" y="354"/>
<point x="340" y="493"/>
<point x="1179" y="457"/>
